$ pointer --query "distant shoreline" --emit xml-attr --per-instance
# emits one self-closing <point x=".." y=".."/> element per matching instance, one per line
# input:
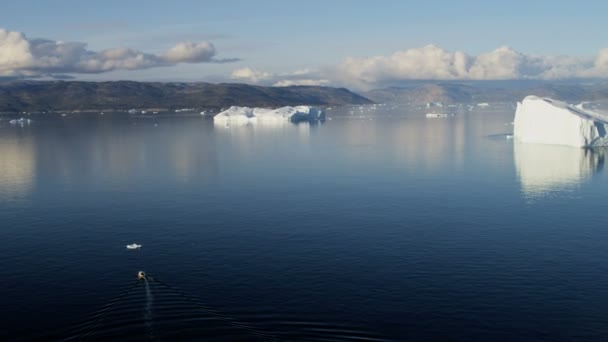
<point x="79" y="96"/>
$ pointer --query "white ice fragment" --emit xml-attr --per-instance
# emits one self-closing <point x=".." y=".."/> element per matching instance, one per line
<point x="133" y="246"/>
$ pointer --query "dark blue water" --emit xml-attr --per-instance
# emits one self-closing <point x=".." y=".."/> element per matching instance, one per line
<point x="396" y="228"/>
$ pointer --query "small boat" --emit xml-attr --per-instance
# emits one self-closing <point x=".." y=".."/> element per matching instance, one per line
<point x="141" y="275"/>
<point x="133" y="246"/>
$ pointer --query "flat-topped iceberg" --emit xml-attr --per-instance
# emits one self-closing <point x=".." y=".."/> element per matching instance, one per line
<point x="236" y="114"/>
<point x="547" y="121"/>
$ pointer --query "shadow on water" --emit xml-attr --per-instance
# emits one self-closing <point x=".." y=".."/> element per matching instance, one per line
<point x="543" y="169"/>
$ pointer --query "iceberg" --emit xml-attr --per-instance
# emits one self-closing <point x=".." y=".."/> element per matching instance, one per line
<point x="548" y="121"/>
<point x="245" y="115"/>
<point x="133" y="246"/>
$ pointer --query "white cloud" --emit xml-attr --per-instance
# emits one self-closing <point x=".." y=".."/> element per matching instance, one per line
<point x="21" y="56"/>
<point x="434" y="63"/>
<point x="307" y="82"/>
<point x="190" y="52"/>
<point x="250" y="75"/>
<point x="601" y="62"/>
<point x="298" y="77"/>
<point x="14" y="51"/>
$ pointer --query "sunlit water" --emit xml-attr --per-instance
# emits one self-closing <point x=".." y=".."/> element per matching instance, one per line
<point x="376" y="225"/>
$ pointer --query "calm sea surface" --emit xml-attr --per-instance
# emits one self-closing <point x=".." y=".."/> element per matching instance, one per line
<point x="378" y="224"/>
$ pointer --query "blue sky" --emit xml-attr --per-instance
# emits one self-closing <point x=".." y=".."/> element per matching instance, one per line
<point x="281" y="37"/>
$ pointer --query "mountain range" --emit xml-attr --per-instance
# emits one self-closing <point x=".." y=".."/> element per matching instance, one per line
<point x="20" y="96"/>
<point x="487" y="91"/>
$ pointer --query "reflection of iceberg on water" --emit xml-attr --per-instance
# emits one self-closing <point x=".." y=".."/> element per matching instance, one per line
<point x="21" y="121"/>
<point x="245" y="115"/>
<point x="544" y="168"/>
<point x="547" y="121"/>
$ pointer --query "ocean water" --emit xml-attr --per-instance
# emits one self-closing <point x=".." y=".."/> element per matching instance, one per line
<point x="377" y="225"/>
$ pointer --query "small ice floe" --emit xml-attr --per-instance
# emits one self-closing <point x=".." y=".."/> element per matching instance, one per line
<point x="133" y="246"/>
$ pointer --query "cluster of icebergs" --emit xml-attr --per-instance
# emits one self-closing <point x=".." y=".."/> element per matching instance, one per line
<point x="245" y="115"/>
<point x="548" y="121"/>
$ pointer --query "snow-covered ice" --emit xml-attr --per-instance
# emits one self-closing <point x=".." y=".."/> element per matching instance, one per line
<point x="240" y="115"/>
<point x="548" y="121"/>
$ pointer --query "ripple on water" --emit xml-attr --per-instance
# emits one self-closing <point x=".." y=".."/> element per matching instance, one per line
<point x="154" y="311"/>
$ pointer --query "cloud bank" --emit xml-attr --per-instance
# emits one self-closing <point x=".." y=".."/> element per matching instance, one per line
<point x="504" y="63"/>
<point x="434" y="63"/>
<point x="21" y="56"/>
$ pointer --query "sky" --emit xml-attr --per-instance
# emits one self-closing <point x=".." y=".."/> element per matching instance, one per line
<point x="357" y="44"/>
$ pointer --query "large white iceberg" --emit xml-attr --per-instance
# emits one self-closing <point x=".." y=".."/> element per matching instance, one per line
<point x="236" y="114"/>
<point x="547" y="121"/>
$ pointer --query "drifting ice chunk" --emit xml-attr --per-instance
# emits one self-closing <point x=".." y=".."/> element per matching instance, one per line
<point x="547" y="121"/>
<point x="133" y="246"/>
<point x="246" y="115"/>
